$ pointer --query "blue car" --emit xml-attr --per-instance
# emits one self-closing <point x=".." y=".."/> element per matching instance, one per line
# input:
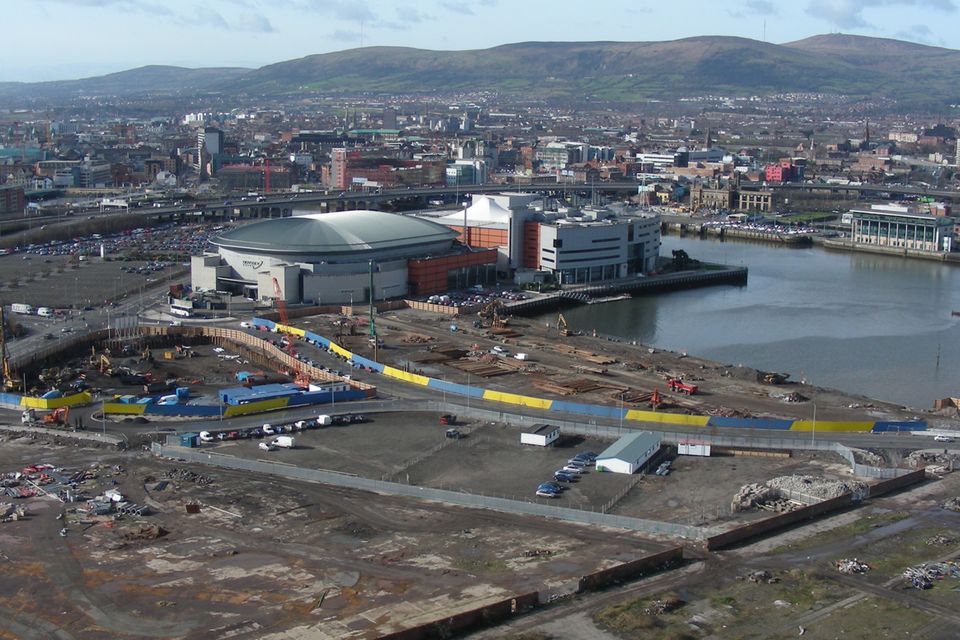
<point x="563" y="476"/>
<point x="547" y="487"/>
<point x="553" y="485"/>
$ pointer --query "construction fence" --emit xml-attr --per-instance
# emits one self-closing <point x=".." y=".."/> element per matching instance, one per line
<point x="460" y="498"/>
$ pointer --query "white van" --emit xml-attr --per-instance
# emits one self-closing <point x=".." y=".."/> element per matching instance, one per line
<point x="206" y="436"/>
<point x="285" y="442"/>
<point x="45" y="312"/>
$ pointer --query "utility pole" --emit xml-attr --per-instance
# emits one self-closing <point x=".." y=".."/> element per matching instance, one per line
<point x="373" y="326"/>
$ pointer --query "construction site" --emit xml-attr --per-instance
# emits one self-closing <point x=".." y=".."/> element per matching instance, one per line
<point x="123" y="542"/>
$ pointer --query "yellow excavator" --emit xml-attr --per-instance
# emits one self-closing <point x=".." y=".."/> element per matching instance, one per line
<point x="562" y="328"/>
<point x="9" y="381"/>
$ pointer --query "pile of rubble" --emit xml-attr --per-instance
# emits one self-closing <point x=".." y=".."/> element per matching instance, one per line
<point x="761" y="576"/>
<point x="862" y="456"/>
<point x="935" y="462"/>
<point x="760" y="496"/>
<point x="186" y="475"/>
<point x="11" y="513"/>
<point x="143" y="532"/>
<point x="951" y="504"/>
<point x="785" y="492"/>
<point x="851" y="566"/>
<point x="772" y="377"/>
<point x="923" y="576"/>
<point x="941" y="540"/>
<point x="816" y="487"/>
<point x="663" y="605"/>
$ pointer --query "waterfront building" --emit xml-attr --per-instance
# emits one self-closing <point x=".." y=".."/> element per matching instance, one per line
<point x="570" y="246"/>
<point x="334" y="257"/>
<point x="903" y="227"/>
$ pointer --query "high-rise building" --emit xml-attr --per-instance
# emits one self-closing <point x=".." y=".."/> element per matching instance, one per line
<point x="389" y="118"/>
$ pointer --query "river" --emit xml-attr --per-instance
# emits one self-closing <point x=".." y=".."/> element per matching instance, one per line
<point x="874" y="325"/>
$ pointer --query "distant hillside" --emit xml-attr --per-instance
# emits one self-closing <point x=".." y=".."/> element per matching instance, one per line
<point x="143" y="80"/>
<point x="613" y="71"/>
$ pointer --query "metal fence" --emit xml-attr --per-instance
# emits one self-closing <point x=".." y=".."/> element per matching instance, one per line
<point x="568" y="425"/>
<point x="460" y="498"/>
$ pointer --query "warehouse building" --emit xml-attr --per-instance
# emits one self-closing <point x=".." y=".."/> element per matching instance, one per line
<point x="342" y="257"/>
<point x="629" y="453"/>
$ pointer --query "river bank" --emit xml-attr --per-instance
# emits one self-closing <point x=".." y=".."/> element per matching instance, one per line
<point x="873" y="325"/>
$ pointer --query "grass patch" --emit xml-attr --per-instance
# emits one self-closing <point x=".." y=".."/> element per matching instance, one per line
<point x="480" y="565"/>
<point x="870" y="618"/>
<point x="856" y="528"/>
<point x="657" y="617"/>
<point x="723" y="601"/>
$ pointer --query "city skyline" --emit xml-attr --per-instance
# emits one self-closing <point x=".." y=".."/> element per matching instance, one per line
<point x="82" y="38"/>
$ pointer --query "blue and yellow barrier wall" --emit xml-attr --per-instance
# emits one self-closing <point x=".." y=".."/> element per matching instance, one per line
<point x="231" y="410"/>
<point x="598" y="411"/>
<point x="15" y="400"/>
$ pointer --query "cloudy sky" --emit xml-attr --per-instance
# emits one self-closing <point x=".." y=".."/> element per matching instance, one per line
<point x="60" y="39"/>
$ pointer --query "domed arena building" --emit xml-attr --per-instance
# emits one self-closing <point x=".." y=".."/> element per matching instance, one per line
<point x="332" y="258"/>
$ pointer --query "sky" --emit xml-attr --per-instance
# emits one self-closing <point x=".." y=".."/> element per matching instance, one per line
<point x="65" y="39"/>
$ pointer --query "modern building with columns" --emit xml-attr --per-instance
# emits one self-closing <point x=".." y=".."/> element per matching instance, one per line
<point x="903" y="227"/>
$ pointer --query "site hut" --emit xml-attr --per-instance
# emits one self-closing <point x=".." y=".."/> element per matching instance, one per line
<point x="540" y="435"/>
<point x="629" y="453"/>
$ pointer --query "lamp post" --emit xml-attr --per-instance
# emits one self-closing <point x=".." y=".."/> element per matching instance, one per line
<point x="813" y="433"/>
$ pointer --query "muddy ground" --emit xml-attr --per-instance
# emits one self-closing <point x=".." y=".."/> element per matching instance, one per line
<point x="264" y="558"/>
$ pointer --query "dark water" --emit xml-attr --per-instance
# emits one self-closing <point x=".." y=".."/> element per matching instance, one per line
<point x="862" y="323"/>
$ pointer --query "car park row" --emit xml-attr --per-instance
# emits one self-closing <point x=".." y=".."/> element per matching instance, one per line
<point x="570" y="473"/>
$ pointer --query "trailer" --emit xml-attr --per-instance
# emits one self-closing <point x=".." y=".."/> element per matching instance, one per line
<point x="24" y="309"/>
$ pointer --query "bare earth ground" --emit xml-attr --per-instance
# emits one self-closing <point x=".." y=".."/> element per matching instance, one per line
<point x="262" y="554"/>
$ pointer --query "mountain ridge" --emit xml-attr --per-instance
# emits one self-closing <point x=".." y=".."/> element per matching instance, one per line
<point x="611" y="71"/>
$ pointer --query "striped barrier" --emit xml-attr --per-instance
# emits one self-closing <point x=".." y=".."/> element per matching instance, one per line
<point x="600" y="411"/>
<point x="230" y="410"/>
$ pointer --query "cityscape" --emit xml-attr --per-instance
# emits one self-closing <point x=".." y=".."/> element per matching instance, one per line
<point x="590" y="335"/>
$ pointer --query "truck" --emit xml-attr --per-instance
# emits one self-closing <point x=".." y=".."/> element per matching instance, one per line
<point x="284" y="442"/>
<point x="19" y="307"/>
<point x="679" y="386"/>
<point x="324" y="421"/>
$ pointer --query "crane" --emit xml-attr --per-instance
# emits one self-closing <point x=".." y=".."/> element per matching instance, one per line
<point x="299" y="375"/>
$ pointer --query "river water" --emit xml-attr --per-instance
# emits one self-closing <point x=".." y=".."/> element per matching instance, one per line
<point x="874" y="325"/>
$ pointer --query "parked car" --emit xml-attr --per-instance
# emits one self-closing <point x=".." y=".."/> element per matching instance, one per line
<point x="553" y="485"/>
<point x="267" y="446"/>
<point x="575" y="470"/>
<point x="546" y="494"/>
<point x="454" y="434"/>
<point x="942" y="438"/>
<point x="563" y="476"/>
<point x="206" y="436"/>
<point x="587" y="455"/>
<point x="269" y="430"/>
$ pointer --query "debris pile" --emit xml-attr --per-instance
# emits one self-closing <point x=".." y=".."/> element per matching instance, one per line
<point x="941" y="540"/>
<point x="11" y="513"/>
<point x="186" y="475"/>
<point x="750" y="496"/>
<point x="537" y="553"/>
<point x="951" y="504"/>
<point x="663" y="605"/>
<point x="143" y="532"/>
<point x="851" y="566"/>
<point x="869" y="458"/>
<point x="935" y="462"/>
<point x="923" y="576"/>
<point x="795" y="396"/>
<point x="761" y="576"/>
<point x="816" y="487"/>
<point x="771" y="377"/>
<point x="781" y="494"/>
